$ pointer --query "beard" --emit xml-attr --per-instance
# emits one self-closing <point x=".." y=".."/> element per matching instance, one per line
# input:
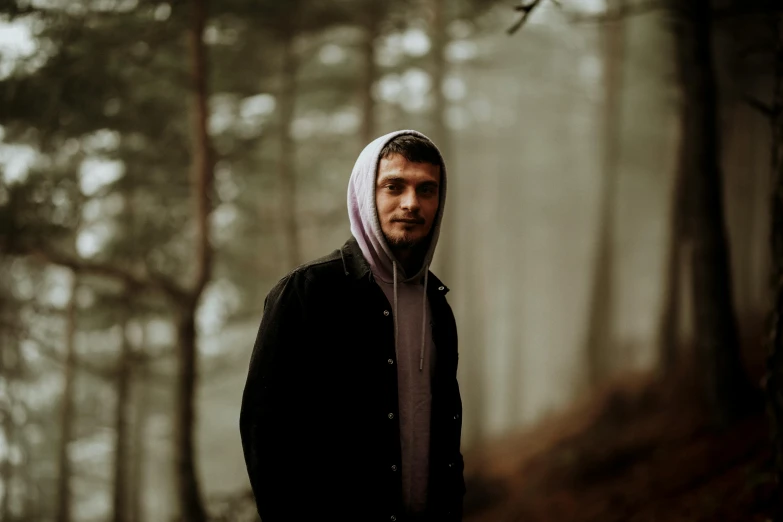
<point x="405" y="241"/>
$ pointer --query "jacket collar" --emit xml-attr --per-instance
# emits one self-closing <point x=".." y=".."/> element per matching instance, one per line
<point x="357" y="267"/>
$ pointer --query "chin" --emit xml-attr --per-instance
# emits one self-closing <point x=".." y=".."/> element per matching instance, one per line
<point x="403" y="240"/>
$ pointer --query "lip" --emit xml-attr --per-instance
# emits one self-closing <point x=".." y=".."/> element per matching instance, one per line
<point x="408" y="221"/>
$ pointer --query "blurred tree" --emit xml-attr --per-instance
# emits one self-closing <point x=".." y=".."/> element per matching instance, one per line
<point x="441" y="17"/>
<point x="371" y="17"/>
<point x="141" y="400"/>
<point x="18" y="500"/>
<point x="601" y="352"/>
<point x="774" y="376"/>
<point x="725" y="384"/>
<point x="287" y="34"/>
<point x="67" y="414"/>
<point x="90" y="105"/>
<point x="121" y="421"/>
<point x="10" y="370"/>
<point x="669" y="326"/>
<point x="202" y="179"/>
<point x="726" y="389"/>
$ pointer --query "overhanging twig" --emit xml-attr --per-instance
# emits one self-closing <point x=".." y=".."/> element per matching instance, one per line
<point x="524" y="9"/>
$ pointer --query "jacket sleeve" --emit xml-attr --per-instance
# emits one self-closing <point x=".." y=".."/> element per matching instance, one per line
<point x="278" y="460"/>
<point x="460" y="464"/>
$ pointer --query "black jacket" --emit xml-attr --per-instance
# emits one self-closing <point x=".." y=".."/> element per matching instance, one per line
<point x="318" y="439"/>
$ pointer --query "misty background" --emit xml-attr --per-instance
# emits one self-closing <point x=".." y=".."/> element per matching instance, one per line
<point x="164" y="164"/>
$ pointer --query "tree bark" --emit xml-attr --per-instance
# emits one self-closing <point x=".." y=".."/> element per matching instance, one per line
<point x="600" y="346"/>
<point x="447" y="252"/>
<point x="191" y="502"/>
<point x="287" y="167"/>
<point x="774" y="377"/>
<point x="371" y="20"/>
<point x="141" y="401"/>
<point x="440" y="40"/>
<point x="120" y="494"/>
<point x="202" y="162"/>
<point x="473" y="355"/>
<point x="67" y="409"/>
<point x="6" y="410"/>
<point x="726" y="388"/>
<point x="7" y="468"/>
<point x="669" y="326"/>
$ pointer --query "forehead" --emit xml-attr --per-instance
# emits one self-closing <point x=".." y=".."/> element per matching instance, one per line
<point x="398" y="166"/>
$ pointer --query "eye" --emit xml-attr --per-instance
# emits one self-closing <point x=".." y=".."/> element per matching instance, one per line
<point x="392" y="187"/>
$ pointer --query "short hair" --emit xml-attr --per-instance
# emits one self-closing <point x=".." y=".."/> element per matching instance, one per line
<point x="413" y="148"/>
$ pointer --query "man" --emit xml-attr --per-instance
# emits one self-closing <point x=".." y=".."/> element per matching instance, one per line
<point x="352" y="409"/>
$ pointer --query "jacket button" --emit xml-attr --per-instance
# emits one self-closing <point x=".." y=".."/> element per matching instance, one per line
<point x="393" y="518"/>
<point x="386" y="313"/>
<point x="441" y="288"/>
<point x="394" y="467"/>
<point x="391" y="415"/>
<point x="451" y="464"/>
<point x="390" y="361"/>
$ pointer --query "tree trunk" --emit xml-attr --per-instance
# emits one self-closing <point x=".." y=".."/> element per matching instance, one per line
<point x="6" y="410"/>
<point x="120" y="499"/>
<point x="473" y="355"/>
<point x="726" y="388"/>
<point x="190" y="498"/>
<point x="774" y="377"/>
<point x="371" y="21"/>
<point x="287" y="167"/>
<point x="669" y="326"/>
<point x="141" y="401"/>
<point x="7" y="468"/>
<point x="447" y="252"/>
<point x="600" y="346"/>
<point x="67" y="410"/>
<point x="191" y="504"/>
<point x="440" y="40"/>
<point x="202" y="163"/>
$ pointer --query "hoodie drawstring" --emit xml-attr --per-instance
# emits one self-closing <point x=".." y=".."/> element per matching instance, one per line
<point x="394" y="312"/>
<point x="423" y="315"/>
<point x="424" y="319"/>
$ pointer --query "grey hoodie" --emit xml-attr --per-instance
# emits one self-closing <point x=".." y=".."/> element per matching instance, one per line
<point x="413" y="333"/>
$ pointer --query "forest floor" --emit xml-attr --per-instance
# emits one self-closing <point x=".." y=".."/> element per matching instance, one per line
<point x="640" y="450"/>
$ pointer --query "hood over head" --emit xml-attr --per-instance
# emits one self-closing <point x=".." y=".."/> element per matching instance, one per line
<point x="363" y="213"/>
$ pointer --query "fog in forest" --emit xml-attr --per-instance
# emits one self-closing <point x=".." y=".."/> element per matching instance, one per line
<point x="606" y="239"/>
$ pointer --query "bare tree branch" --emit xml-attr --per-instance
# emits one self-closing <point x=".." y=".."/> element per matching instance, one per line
<point x="146" y="281"/>
<point x="524" y="9"/>
<point x="49" y="351"/>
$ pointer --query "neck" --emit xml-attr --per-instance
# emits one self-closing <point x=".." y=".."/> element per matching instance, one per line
<point x="410" y="259"/>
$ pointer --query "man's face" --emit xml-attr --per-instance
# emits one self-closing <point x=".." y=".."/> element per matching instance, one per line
<point x="407" y="196"/>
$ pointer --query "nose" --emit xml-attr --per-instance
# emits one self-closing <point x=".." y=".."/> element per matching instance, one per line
<point x="410" y="200"/>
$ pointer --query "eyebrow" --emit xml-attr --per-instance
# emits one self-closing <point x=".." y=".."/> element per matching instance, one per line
<point x="390" y="179"/>
<point x="397" y="179"/>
